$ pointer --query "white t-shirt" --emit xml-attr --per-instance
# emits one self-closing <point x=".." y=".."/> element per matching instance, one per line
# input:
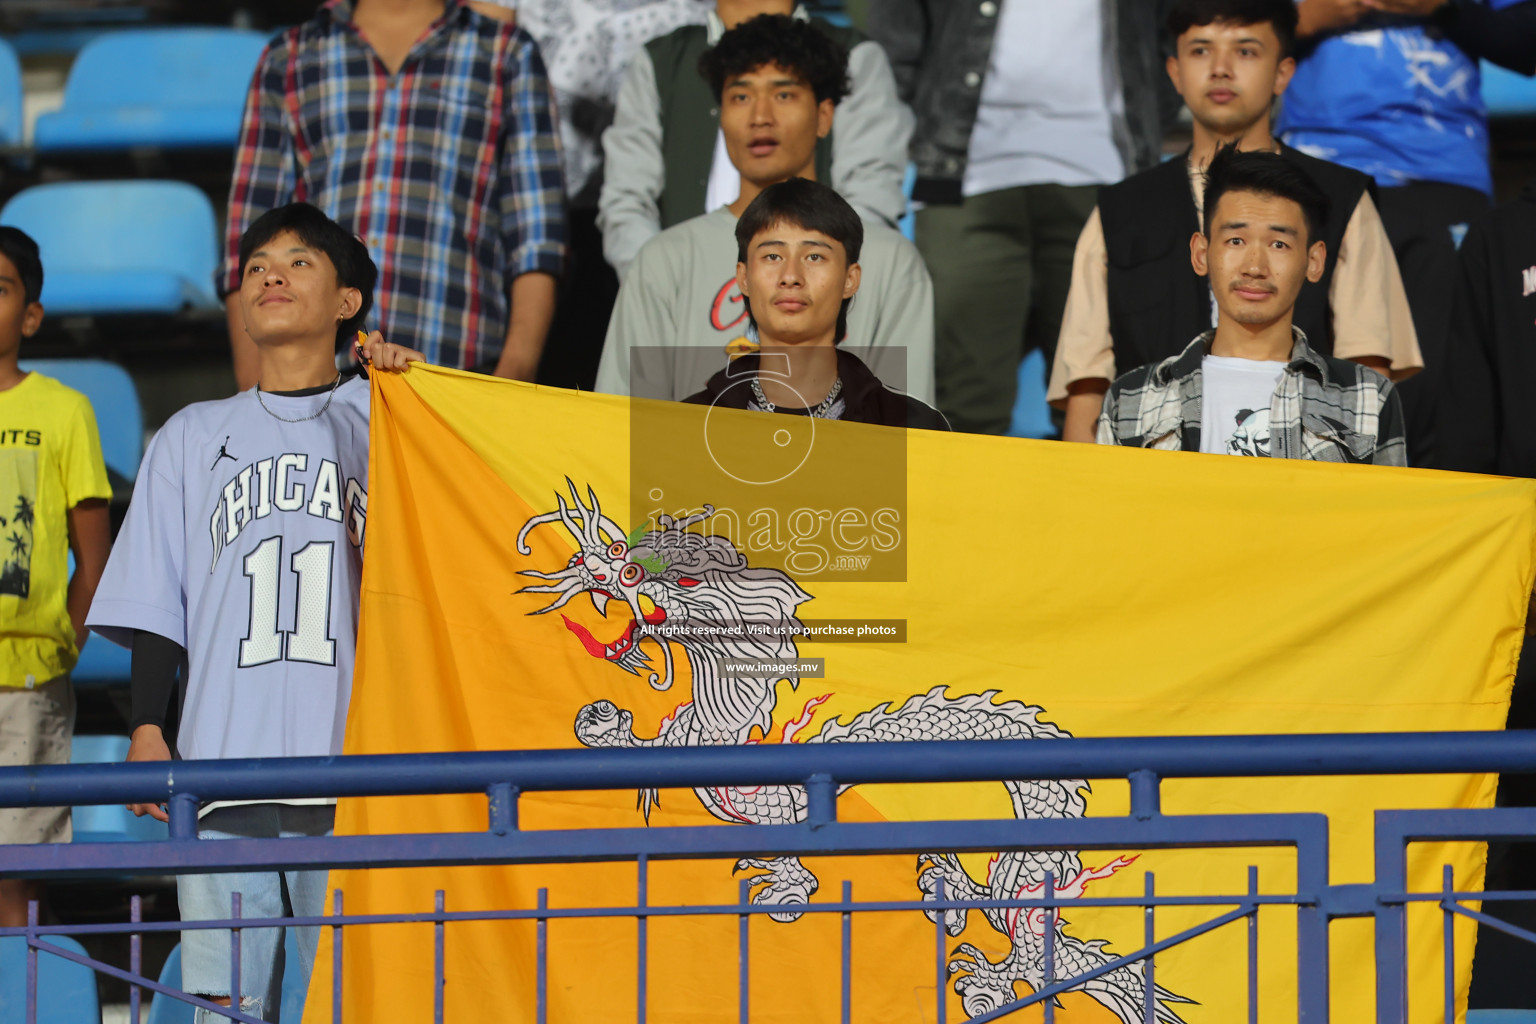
<point x="1234" y="414"/>
<point x="1048" y="101"/>
<point x="724" y="179"/>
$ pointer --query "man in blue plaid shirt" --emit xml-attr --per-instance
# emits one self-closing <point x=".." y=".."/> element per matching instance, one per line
<point x="1253" y="386"/>
<point x="429" y="130"/>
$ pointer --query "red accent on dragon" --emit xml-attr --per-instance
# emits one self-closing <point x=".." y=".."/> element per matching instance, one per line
<point x="691" y="578"/>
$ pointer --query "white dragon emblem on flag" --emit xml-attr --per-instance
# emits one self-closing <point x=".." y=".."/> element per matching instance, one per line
<point x="691" y="577"/>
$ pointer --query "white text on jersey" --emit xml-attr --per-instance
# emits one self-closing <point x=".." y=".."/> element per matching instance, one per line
<point x="282" y="484"/>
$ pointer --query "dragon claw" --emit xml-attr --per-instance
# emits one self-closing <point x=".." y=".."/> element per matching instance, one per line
<point x="784" y="882"/>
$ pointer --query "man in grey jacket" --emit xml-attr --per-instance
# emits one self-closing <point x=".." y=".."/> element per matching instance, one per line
<point x="1024" y="108"/>
<point x="665" y="158"/>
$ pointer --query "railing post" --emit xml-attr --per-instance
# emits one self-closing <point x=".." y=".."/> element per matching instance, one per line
<point x="31" y="962"/>
<point x="135" y="955"/>
<point x="642" y="936"/>
<point x="336" y="933"/>
<point x="1391" y="928"/>
<point x="1312" y="983"/>
<point x="503" y="807"/>
<point x="234" y="953"/>
<point x="181" y="808"/>
<point x="1253" y="947"/>
<point x="1449" y="881"/>
<point x="941" y="955"/>
<point x="439" y="957"/>
<point x="743" y="953"/>
<point x="1146" y="795"/>
<point x="1149" y="965"/>
<point x="847" y="972"/>
<point x="820" y="800"/>
<point x="1050" y="943"/>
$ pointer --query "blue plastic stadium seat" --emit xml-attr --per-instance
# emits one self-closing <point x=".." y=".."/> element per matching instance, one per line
<point x="109" y="823"/>
<point x="119" y="418"/>
<point x="1031" y="414"/>
<point x="102" y="663"/>
<point x="1507" y="94"/>
<point x="194" y="97"/>
<point x="11" y="119"/>
<point x="66" y="991"/>
<point x="165" y="1010"/>
<point x="121" y="246"/>
<point x="120" y="421"/>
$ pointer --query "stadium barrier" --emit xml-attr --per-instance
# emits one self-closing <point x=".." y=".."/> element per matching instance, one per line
<point x="822" y="770"/>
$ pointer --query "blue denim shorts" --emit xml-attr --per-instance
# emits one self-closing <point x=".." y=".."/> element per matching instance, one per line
<point x="265" y="953"/>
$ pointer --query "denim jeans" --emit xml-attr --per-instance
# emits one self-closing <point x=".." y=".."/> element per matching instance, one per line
<point x="205" y="954"/>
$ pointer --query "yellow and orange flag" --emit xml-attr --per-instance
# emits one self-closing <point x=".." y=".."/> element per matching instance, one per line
<point x="548" y="569"/>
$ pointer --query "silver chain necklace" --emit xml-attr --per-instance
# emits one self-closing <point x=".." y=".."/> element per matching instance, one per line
<point x="820" y="412"/>
<point x="302" y="419"/>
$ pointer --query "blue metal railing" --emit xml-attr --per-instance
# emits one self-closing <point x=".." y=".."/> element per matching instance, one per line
<point x="822" y="769"/>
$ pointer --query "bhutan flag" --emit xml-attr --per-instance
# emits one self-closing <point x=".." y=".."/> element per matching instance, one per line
<point x="548" y="569"/>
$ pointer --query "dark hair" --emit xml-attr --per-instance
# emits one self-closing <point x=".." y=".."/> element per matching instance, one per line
<point x="1280" y="14"/>
<point x="18" y="247"/>
<point x="792" y="44"/>
<point x="809" y="205"/>
<point x="347" y="253"/>
<point x="1268" y="174"/>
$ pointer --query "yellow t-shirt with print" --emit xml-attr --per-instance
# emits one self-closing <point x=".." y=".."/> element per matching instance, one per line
<point x="50" y="461"/>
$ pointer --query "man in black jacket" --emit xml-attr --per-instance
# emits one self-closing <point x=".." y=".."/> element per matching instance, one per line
<point x="1023" y="111"/>
<point x="1135" y="298"/>
<point x="1488" y="424"/>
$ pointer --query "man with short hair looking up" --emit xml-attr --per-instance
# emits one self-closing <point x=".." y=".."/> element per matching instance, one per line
<point x="1134" y="297"/>
<point x="238" y="566"/>
<point x="1253" y="385"/>
<point x="680" y="310"/>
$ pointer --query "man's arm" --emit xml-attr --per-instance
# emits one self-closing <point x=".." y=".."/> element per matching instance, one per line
<point x="1368" y="305"/>
<point x="533" y="309"/>
<point x="151" y="682"/>
<point x="1085" y="354"/>
<point x="1085" y="401"/>
<point x="90" y="538"/>
<point x="870" y="137"/>
<point x="532" y="212"/>
<point x="634" y="173"/>
<point x="901" y="310"/>
<point x="1319" y="17"/>
<point x="1506" y="36"/>
<point x="644" y="317"/>
<point x="263" y="180"/>
<point x="904" y="28"/>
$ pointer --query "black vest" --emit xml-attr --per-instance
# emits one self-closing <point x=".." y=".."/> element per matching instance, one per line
<point x="690" y="117"/>
<point x="1157" y="303"/>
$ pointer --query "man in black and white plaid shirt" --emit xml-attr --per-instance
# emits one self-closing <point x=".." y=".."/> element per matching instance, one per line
<point x="1253" y="386"/>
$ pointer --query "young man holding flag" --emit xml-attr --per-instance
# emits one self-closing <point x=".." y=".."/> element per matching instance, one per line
<point x="239" y="564"/>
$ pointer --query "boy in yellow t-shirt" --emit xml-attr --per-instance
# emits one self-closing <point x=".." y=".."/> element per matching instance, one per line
<point x="53" y="500"/>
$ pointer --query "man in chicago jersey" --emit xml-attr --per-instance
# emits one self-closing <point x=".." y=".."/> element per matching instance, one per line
<point x="239" y="564"/>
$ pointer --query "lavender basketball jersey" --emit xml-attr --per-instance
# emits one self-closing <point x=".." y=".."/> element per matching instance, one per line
<point x="243" y="544"/>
